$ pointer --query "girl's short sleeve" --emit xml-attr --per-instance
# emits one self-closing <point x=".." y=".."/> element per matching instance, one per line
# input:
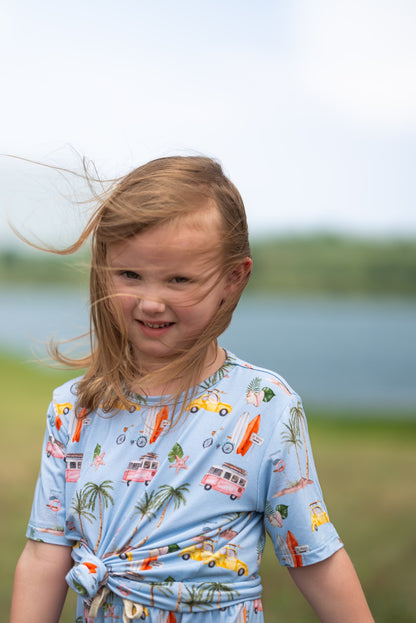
<point x="296" y="517"/>
<point x="47" y="519"/>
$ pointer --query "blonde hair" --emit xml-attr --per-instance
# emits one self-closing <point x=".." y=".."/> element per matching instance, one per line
<point x="158" y="192"/>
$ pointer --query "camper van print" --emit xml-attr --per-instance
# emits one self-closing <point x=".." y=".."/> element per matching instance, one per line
<point x="142" y="470"/>
<point x="73" y="466"/>
<point x="226" y="478"/>
<point x="55" y="448"/>
<point x="154" y="424"/>
<point x="243" y="436"/>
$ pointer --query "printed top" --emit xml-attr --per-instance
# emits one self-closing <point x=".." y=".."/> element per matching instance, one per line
<point x="156" y="513"/>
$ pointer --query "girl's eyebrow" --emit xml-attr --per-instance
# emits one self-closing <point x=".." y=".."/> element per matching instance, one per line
<point x="119" y="262"/>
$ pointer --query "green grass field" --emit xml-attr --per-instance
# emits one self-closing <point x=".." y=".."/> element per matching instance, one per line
<point x="367" y="471"/>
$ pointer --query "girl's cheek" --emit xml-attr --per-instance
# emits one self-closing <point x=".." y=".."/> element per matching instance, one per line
<point x="125" y="298"/>
<point x="194" y="296"/>
<point x="120" y="303"/>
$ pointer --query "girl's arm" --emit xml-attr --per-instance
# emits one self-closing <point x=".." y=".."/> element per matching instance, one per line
<point x="40" y="588"/>
<point x="333" y="590"/>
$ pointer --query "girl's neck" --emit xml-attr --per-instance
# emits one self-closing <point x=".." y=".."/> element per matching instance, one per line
<point x="214" y="360"/>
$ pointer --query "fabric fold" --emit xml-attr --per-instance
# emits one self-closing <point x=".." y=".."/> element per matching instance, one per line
<point x="88" y="574"/>
<point x="93" y="579"/>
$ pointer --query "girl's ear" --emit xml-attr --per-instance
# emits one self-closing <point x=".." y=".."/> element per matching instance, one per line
<point x="240" y="273"/>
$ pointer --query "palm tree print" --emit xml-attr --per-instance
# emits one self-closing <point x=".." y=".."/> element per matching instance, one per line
<point x="298" y="413"/>
<point x="162" y="587"/>
<point x="144" y="508"/>
<point x="154" y="502"/>
<point x="260" y="548"/>
<point x="178" y="599"/>
<point x="169" y="581"/>
<point x="166" y="494"/>
<point x="80" y="507"/>
<point x="218" y="375"/>
<point x="98" y="492"/>
<point x="218" y="587"/>
<point x="291" y="437"/>
<point x="195" y="597"/>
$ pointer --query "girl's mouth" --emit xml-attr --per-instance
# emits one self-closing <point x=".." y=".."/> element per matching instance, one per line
<point x="154" y="325"/>
<point x="154" y="329"/>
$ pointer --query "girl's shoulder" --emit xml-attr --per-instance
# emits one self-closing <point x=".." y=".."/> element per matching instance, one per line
<point x="257" y="377"/>
<point x="258" y="394"/>
<point x="67" y="392"/>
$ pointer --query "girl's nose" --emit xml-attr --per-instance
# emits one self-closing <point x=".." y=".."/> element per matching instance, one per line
<point x="151" y="306"/>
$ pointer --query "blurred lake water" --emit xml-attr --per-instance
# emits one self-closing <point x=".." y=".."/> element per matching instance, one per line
<point x="337" y="353"/>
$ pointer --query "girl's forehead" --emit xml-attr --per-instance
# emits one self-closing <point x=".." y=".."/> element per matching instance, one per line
<point x="205" y="218"/>
<point x="191" y="236"/>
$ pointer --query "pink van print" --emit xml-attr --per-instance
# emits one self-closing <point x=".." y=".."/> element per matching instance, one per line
<point x="73" y="466"/>
<point x="257" y="606"/>
<point x="55" y="448"/>
<point x="226" y="478"/>
<point x="142" y="470"/>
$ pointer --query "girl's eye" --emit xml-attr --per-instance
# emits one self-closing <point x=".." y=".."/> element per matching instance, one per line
<point x="180" y="279"/>
<point x="130" y="274"/>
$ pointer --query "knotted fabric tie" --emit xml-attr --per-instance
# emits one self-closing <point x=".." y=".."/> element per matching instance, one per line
<point x="94" y="577"/>
<point x="131" y="610"/>
<point x="88" y="578"/>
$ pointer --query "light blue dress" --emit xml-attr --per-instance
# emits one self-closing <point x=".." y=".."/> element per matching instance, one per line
<point x="172" y="519"/>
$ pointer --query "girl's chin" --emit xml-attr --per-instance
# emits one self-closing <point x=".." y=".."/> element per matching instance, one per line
<point x="154" y="356"/>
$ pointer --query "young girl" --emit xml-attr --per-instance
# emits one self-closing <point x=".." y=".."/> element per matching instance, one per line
<point x="163" y="465"/>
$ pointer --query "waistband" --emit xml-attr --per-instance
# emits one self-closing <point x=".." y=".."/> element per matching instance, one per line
<point x="94" y="578"/>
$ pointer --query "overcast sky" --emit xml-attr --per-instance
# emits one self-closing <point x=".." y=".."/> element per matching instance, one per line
<point x="309" y="105"/>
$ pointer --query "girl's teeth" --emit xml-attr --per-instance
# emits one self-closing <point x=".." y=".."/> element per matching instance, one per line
<point x="156" y="326"/>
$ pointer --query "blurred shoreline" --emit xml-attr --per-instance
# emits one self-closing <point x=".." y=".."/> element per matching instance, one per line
<point x="336" y="316"/>
<point x="314" y="264"/>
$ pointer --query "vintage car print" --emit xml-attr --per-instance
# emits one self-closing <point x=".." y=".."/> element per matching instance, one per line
<point x="209" y="401"/>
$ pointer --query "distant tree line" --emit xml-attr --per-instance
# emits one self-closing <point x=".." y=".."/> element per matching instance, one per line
<point x="297" y="265"/>
<point x="334" y="265"/>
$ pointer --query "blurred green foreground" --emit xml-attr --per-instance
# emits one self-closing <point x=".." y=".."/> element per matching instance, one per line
<point x="367" y="471"/>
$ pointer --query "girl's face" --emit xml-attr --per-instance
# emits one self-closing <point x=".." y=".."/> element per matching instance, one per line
<point x="168" y="285"/>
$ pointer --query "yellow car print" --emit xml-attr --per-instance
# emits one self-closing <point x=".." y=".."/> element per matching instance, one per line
<point x="210" y="402"/>
<point x="318" y="515"/>
<point x="63" y="408"/>
<point x="226" y="557"/>
<point x="202" y="551"/>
